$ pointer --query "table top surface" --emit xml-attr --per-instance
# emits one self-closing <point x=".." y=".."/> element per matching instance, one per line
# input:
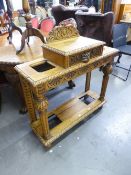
<point x="29" y="53"/>
<point x="27" y="69"/>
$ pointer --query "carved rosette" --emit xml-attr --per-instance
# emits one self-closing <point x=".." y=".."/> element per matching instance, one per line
<point x="41" y="104"/>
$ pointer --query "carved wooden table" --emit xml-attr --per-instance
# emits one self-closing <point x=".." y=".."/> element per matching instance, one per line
<point x="37" y="79"/>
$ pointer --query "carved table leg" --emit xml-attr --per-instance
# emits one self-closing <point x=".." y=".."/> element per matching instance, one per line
<point x="87" y="84"/>
<point x="88" y="79"/>
<point x="41" y="104"/>
<point x="106" y="70"/>
<point x="28" y="99"/>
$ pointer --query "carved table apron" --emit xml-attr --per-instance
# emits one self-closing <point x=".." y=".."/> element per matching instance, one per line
<point x="35" y="84"/>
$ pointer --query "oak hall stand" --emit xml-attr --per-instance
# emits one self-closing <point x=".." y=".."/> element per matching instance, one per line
<point x="39" y="76"/>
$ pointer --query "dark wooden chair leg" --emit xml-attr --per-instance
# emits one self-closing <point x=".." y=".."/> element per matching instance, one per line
<point x="71" y="84"/>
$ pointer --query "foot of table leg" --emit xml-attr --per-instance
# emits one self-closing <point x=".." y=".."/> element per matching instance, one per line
<point x="71" y="84"/>
<point x="23" y="110"/>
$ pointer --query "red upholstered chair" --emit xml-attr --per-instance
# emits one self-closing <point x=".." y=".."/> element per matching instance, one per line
<point x="35" y="22"/>
<point x="47" y="25"/>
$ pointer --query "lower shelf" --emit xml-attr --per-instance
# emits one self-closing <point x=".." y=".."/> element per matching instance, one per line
<point x="69" y="114"/>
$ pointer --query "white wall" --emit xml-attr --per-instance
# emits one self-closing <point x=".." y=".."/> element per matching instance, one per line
<point x="17" y="4"/>
<point x="55" y="2"/>
<point x="126" y="2"/>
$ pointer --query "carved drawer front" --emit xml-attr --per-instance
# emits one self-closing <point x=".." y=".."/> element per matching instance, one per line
<point x="67" y="61"/>
<point x="85" y="56"/>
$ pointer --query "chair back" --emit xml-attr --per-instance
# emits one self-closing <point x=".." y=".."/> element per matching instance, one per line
<point x="60" y="12"/>
<point x="35" y="22"/>
<point x="119" y="35"/>
<point x="40" y="12"/>
<point x="47" y="25"/>
<point x="96" y="25"/>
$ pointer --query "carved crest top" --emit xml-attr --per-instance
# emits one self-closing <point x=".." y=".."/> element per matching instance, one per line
<point x="61" y="33"/>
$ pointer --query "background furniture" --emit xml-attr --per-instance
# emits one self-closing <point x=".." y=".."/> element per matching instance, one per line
<point x="119" y="42"/>
<point x="127" y="22"/>
<point x="124" y="10"/>
<point x="32" y="6"/>
<point x="40" y="3"/>
<point x="90" y="3"/>
<point x="111" y="5"/>
<point x="9" y="59"/>
<point x="11" y="24"/>
<point x="29" y="31"/>
<point x="97" y="26"/>
<point x="61" y="12"/>
<point x="2" y="5"/>
<point x="46" y="26"/>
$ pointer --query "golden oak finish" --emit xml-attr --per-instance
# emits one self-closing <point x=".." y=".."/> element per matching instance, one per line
<point x="65" y="47"/>
<point x="36" y="83"/>
<point x="40" y="75"/>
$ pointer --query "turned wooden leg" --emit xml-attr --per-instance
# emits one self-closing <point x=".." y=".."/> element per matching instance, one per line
<point x="41" y="104"/>
<point x="26" y="34"/>
<point x="24" y="37"/>
<point x="106" y="70"/>
<point x="88" y="79"/>
<point x="12" y="27"/>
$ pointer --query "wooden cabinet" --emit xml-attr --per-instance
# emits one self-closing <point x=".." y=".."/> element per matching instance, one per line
<point x="125" y="11"/>
<point x="111" y="5"/>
